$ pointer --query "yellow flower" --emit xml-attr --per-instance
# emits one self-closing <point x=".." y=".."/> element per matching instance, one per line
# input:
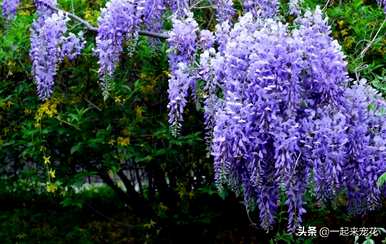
<point x="5" y="131"/>
<point x="341" y="24"/>
<point x="191" y="195"/>
<point x="118" y="99"/>
<point x="11" y="63"/>
<point x="138" y="112"/>
<point x="46" y="159"/>
<point x="123" y="141"/>
<point x="8" y="104"/>
<point x="51" y="173"/>
<point x="24" y="13"/>
<point x="48" y="108"/>
<point x="150" y="225"/>
<point x="27" y="111"/>
<point x="51" y="187"/>
<point x="91" y="16"/>
<point x="344" y="32"/>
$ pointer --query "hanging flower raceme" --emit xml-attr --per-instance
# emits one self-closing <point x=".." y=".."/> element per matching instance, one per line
<point x="9" y="8"/>
<point x="43" y="8"/>
<point x="45" y="43"/>
<point x="366" y="147"/>
<point x="265" y="8"/>
<point x="72" y="45"/>
<point x="285" y="118"/>
<point x="119" y="21"/>
<point x="49" y="45"/>
<point x="152" y="16"/>
<point x="294" y="7"/>
<point x="179" y="7"/>
<point x="182" y="42"/>
<point x="382" y="3"/>
<point x="224" y="10"/>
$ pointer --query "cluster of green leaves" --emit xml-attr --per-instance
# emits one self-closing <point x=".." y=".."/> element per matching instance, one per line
<point x="77" y="133"/>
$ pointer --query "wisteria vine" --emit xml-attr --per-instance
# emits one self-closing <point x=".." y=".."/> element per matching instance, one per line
<point x="50" y="45"/>
<point x="118" y="22"/>
<point x="9" y="8"/>
<point x="280" y="110"/>
<point x="287" y="119"/>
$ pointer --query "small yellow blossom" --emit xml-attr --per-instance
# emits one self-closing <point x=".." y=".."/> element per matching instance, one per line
<point x="118" y="99"/>
<point x="191" y="195"/>
<point x="11" y="63"/>
<point x="48" y="108"/>
<point x="51" y="173"/>
<point x="24" y="13"/>
<point x="8" y="104"/>
<point x="150" y="225"/>
<point x="341" y="24"/>
<point x="139" y="112"/>
<point x="38" y="125"/>
<point x="123" y="141"/>
<point x="167" y="73"/>
<point x="344" y="32"/>
<point x="91" y="16"/>
<point x="51" y="187"/>
<point x="27" y="111"/>
<point x="5" y="131"/>
<point x="46" y="159"/>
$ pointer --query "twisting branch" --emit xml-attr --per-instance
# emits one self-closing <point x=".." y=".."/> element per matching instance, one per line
<point x="154" y="34"/>
<point x="73" y="16"/>
<point x="326" y="5"/>
<point x="95" y="29"/>
<point x="373" y="40"/>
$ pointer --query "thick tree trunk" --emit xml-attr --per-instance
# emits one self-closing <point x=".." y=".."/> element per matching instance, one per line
<point x="130" y="190"/>
<point x="132" y="198"/>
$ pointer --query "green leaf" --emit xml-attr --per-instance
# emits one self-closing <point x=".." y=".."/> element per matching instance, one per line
<point x="381" y="180"/>
<point x="369" y="241"/>
<point x="76" y="148"/>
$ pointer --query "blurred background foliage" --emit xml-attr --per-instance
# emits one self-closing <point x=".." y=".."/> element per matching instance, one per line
<point x="84" y="169"/>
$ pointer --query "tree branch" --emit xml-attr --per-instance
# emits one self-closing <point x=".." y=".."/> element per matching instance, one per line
<point x="73" y="16"/>
<point x="121" y="194"/>
<point x="362" y="54"/>
<point x="326" y="5"/>
<point x="154" y="34"/>
<point x="95" y="29"/>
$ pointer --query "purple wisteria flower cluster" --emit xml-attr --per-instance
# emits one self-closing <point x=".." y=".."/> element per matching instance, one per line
<point x="287" y="119"/>
<point x="119" y="21"/>
<point x="9" y="8"/>
<point x="224" y="9"/>
<point x="50" y="45"/>
<point x="280" y="111"/>
<point x="382" y="3"/>
<point x="182" y="49"/>
<point x="179" y="7"/>
<point x="294" y="7"/>
<point x="266" y="8"/>
<point x="152" y="16"/>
